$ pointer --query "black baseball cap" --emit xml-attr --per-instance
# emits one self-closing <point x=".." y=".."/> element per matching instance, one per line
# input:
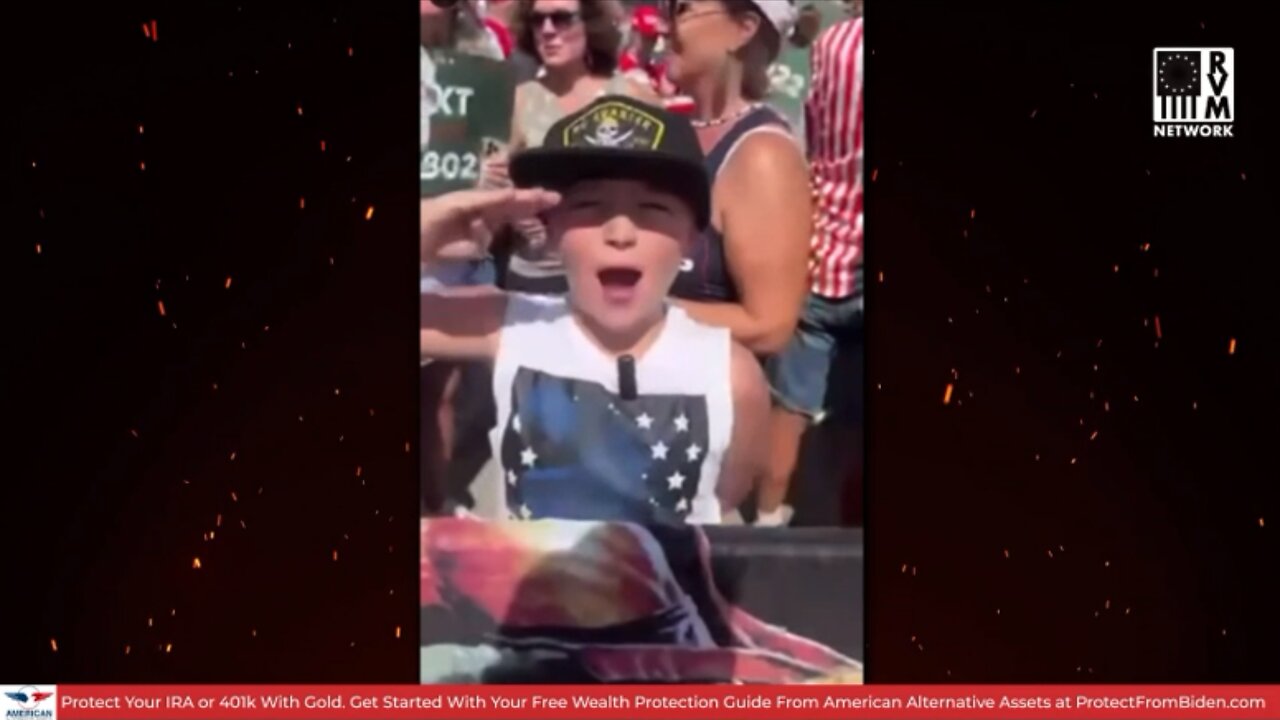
<point x="619" y="137"/>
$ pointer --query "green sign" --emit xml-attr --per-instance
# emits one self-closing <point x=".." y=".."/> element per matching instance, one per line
<point x="467" y="104"/>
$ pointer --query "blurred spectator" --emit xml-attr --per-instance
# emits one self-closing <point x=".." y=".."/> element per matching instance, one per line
<point x="452" y="29"/>
<point x="577" y="43"/>
<point x="449" y="29"/>
<point x="748" y="270"/>
<point x="833" y="314"/>
<point x="502" y="18"/>
<point x="493" y="22"/>
<point x="456" y="28"/>
<point x="641" y="61"/>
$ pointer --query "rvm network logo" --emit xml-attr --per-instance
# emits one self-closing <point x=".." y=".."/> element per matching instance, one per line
<point x="1194" y="92"/>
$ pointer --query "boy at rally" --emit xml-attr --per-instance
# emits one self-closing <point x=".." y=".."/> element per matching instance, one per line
<point x="613" y="404"/>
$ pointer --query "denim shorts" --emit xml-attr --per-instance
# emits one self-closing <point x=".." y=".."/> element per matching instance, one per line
<point x="801" y="374"/>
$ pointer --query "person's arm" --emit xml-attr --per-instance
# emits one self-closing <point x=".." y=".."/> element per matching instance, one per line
<point x="467" y="327"/>
<point x="495" y="169"/>
<point x="463" y="327"/>
<point x="460" y="224"/>
<point x="458" y="327"/>
<point x="767" y="220"/>
<point x="747" y="459"/>
<point x="517" y="133"/>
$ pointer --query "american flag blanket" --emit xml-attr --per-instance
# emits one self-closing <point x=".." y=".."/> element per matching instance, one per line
<point x="606" y="602"/>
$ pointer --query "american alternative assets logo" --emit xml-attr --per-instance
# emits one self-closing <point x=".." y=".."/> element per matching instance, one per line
<point x="1194" y="92"/>
<point x="28" y="701"/>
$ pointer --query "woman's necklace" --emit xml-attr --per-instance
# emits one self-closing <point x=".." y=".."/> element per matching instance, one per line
<point x="730" y="117"/>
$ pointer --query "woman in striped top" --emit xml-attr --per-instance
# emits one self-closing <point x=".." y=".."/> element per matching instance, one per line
<point x="833" y="311"/>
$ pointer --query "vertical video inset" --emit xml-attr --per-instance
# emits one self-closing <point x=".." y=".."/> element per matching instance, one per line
<point x="642" y="338"/>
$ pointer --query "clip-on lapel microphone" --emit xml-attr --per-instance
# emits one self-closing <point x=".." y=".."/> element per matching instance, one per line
<point x="627" y="377"/>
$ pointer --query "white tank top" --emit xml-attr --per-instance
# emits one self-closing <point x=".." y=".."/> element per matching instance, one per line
<point x="571" y="448"/>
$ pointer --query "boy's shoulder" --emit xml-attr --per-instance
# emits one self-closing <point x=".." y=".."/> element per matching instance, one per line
<point x="534" y="329"/>
<point x="691" y="324"/>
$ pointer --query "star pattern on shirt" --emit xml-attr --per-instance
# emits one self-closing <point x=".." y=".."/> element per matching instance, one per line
<point x="573" y="448"/>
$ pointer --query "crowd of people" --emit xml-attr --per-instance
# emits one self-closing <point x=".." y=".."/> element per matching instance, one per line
<point x="635" y="312"/>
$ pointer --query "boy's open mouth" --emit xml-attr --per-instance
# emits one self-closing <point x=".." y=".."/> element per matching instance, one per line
<point x="619" y="283"/>
<point x="619" y="277"/>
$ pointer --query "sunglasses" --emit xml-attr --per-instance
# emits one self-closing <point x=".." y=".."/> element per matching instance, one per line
<point x="560" y="19"/>
<point x="681" y="10"/>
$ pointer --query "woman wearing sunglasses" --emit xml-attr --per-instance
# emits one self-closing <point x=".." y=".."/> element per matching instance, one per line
<point x="749" y="270"/>
<point x="577" y="43"/>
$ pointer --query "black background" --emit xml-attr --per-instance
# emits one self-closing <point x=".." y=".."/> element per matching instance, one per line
<point x="1037" y="119"/>
<point x="971" y="108"/>
<point x="102" y="531"/>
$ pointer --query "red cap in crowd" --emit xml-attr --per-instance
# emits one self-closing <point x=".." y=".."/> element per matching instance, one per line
<point x="647" y="21"/>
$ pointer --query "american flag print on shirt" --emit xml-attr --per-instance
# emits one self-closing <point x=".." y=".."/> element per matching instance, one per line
<point x="574" y="450"/>
<point x="833" y="124"/>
